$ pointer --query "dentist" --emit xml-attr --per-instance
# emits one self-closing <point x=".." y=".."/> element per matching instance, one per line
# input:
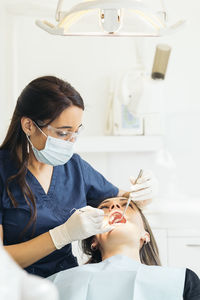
<point x="43" y="184"/>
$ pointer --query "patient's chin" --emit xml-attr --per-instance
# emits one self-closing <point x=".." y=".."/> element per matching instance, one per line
<point x="122" y="231"/>
<point x="116" y="240"/>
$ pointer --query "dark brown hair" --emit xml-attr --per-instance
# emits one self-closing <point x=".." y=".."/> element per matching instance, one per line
<point x="149" y="254"/>
<point x="42" y="100"/>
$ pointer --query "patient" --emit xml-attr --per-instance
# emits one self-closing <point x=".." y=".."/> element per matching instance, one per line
<point x="124" y="264"/>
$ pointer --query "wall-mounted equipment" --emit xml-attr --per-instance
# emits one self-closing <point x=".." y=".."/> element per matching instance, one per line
<point x="113" y="18"/>
<point x="123" y="103"/>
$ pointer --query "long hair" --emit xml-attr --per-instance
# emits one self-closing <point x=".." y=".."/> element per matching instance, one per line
<point x="149" y="254"/>
<point x="42" y="99"/>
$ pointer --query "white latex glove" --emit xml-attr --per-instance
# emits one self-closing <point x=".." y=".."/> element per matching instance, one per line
<point x="16" y="284"/>
<point x="145" y="189"/>
<point x="82" y="224"/>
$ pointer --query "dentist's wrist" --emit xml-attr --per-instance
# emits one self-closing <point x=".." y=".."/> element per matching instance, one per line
<point x="60" y="236"/>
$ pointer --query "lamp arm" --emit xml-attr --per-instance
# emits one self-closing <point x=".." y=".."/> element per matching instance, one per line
<point x="164" y="10"/>
<point x="58" y="10"/>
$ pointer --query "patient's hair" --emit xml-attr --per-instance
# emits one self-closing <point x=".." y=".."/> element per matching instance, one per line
<point x="149" y="254"/>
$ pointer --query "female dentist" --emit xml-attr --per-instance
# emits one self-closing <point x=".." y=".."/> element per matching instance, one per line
<point x="43" y="184"/>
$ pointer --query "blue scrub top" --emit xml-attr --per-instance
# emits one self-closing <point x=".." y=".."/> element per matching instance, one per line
<point x="73" y="185"/>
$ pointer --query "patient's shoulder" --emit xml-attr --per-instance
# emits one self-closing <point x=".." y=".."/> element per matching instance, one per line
<point x="192" y="286"/>
<point x="81" y="271"/>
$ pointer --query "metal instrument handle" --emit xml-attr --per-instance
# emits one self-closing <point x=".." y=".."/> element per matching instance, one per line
<point x="129" y="199"/>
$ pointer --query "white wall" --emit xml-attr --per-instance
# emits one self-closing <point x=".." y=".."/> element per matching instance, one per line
<point x="89" y="63"/>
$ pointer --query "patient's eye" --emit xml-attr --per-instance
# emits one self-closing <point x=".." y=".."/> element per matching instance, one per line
<point x="130" y="204"/>
<point x="103" y="206"/>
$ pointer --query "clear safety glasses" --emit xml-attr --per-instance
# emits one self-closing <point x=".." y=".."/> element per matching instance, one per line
<point x="60" y="133"/>
<point x="64" y="134"/>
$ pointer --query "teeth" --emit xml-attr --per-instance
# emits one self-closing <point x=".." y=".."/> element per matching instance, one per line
<point x="112" y="218"/>
<point x="115" y="217"/>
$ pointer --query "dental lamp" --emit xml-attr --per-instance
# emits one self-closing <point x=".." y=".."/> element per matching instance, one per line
<point x="109" y="18"/>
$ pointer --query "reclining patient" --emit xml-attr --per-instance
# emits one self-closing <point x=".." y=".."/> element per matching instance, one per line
<point x="124" y="264"/>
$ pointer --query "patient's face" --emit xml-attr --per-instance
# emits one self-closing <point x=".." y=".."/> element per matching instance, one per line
<point x="129" y="229"/>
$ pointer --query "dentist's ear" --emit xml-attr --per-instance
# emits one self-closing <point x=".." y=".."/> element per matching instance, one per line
<point x="27" y="126"/>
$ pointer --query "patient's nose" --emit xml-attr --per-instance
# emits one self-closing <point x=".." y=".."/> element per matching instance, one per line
<point x="115" y="206"/>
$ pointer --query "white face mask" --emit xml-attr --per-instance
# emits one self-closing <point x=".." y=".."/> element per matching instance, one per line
<point x="56" y="152"/>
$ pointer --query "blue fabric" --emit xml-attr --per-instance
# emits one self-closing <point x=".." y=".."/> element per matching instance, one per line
<point x="120" y="277"/>
<point x="74" y="185"/>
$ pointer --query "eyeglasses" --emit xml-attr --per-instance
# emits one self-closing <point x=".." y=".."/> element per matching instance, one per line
<point x="64" y="134"/>
<point x="61" y="133"/>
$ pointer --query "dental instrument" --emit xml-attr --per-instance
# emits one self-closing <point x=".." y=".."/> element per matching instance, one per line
<point x="82" y="210"/>
<point x="130" y="198"/>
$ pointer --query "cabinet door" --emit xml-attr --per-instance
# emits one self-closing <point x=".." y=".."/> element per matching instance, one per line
<point x="184" y="252"/>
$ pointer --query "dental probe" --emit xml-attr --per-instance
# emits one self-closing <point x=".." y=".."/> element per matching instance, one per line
<point x="129" y="199"/>
<point x="81" y="210"/>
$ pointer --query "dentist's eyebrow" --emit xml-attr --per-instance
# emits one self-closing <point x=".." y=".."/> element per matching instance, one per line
<point x="64" y="127"/>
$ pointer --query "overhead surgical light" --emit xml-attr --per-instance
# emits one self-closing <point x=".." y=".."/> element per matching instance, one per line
<point x="114" y="18"/>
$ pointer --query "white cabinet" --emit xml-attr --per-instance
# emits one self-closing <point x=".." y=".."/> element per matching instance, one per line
<point x="184" y="251"/>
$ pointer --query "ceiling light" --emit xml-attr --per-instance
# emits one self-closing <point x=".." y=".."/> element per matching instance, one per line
<point x="113" y="18"/>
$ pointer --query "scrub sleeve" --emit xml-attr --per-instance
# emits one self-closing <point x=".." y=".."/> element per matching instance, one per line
<point x="73" y="185"/>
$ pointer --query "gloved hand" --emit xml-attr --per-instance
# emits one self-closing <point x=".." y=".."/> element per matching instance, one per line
<point x="82" y="224"/>
<point x="145" y="189"/>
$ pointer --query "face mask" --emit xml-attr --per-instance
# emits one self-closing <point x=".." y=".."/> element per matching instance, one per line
<point x="56" y="152"/>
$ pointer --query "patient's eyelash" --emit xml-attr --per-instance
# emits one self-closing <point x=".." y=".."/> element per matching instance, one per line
<point x="103" y="206"/>
<point x="123" y="204"/>
<point x="130" y="204"/>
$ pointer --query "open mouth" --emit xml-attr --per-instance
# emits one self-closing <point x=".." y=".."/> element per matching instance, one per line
<point x="116" y="217"/>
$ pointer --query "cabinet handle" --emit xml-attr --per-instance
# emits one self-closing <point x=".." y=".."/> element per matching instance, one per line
<point x="193" y="245"/>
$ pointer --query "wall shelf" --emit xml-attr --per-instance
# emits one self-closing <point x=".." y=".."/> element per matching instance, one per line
<point x="95" y="144"/>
